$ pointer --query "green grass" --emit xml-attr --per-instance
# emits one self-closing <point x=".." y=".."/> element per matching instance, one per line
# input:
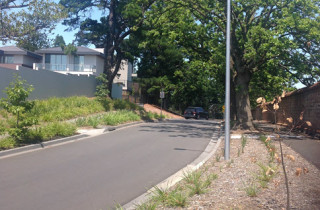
<point x="109" y="118"/>
<point x="50" y="131"/>
<point x="251" y="190"/>
<point x="147" y="206"/>
<point x="58" y="109"/>
<point x="243" y="142"/>
<point x="8" y="143"/>
<point x="193" y="183"/>
<point x="174" y="198"/>
<point x="267" y="172"/>
<point x="177" y="198"/>
<point x="197" y="184"/>
<point x="51" y="114"/>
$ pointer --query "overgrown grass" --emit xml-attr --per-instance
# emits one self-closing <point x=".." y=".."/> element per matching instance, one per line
<point x="109" y="118"/>
<point x="50" y="131"/>
<point x="8" y="143"/>
<point x="58" y="109"/>
<point x="51" y="113"/>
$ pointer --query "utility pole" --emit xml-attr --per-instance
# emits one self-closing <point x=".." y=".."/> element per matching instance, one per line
<point x="162" y="97"/>
<point x="227" y="102"/>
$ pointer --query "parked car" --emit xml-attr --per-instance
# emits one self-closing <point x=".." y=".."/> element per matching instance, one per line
<point x="196" y="113"/>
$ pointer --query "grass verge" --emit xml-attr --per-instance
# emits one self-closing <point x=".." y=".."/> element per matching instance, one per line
<point x="52" y="113"/>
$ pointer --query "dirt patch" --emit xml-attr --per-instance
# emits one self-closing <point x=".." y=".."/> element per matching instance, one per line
<point x="155" y="109"/>
<point x="242" y="172"/>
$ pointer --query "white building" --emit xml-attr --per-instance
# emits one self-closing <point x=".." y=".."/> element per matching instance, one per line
<point x="86" y="61"/>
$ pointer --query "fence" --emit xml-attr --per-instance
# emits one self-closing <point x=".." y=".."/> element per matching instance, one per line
<point x="300" y="103"/>
<point x="50" y="84"/>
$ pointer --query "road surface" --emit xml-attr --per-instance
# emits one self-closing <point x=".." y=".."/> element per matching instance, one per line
<point x="101" y="171"/>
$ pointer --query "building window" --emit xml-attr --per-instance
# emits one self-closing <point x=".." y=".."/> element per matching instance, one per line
<point x="78" y="63"/>
<point x="57" y="62"/>
<point x="6" y="58"/>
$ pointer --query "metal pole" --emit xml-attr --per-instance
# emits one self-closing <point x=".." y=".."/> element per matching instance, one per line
<point x="227" y="102"/>
<point x="161" y="108"/>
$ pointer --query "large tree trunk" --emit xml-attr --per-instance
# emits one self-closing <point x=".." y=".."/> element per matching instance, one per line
<point x="244" y="115"/>
<point x="109" y="47"/>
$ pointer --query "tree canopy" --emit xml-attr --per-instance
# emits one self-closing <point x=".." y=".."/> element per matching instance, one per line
<point x="121" y="18"/>
<point x="28" y="22"/>
<point x="180" y="44"/>
<point x="273" y="43"/>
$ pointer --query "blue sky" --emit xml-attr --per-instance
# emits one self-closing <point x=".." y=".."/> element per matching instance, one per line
<point x="67" y="36"/>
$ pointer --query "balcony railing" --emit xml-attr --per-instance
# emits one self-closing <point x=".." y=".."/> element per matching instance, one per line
<point x="65" y="67"/>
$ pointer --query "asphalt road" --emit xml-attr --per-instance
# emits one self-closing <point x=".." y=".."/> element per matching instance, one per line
<point x="101" y="171"/>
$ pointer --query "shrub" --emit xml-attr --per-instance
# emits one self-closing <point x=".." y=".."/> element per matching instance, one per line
<point x="16" y="104"/>
<point x="8" y="143"/>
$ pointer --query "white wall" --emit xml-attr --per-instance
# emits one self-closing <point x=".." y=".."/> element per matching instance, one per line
<point x="49" y="84"/>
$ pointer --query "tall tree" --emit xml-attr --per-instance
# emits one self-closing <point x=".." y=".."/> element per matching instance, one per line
<point x="175" y="47"/>
<point x="59" y="41"/>
<point x="269" y="39"/>
<point x="27" y="20"/>
<point x="33" y="41"/>
<point x="122" y="19"/>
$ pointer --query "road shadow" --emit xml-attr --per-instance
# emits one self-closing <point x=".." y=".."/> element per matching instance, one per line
<point x="184" y="128"/>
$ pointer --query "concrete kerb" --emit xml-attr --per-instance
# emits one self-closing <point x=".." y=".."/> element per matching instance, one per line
<point x="83" y="134"/>
<point x="178" y="176"/>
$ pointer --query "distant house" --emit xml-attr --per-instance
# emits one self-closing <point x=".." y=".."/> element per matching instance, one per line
<point x="86" y="61"/>
<point x="13" y="57"/>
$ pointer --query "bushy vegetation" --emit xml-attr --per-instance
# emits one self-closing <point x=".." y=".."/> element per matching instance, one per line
<point x="52" y="113"/>
<point x="58" y="109"/>
<point x="17" y="106"/>
<point x="50" y="131"/>
<point x="109" y="118"/>
<point x="194" y="183"/>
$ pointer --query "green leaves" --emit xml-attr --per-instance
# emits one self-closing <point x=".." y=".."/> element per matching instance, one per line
<point x="27" y="21"/>
<point x="16" y="103"/>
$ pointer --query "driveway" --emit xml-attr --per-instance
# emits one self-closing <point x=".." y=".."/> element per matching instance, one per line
<point x="102" y="171"/>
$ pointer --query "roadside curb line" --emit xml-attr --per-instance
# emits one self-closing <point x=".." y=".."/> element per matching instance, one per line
<point x="47" y="144"/>
<point x="178" y="176"/>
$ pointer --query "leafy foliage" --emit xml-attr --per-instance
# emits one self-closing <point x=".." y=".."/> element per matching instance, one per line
<point x="16" y="104"/>
<point x="123" y="18"/>
<point x="59" y="41"/>
<point x="28" y="21"/>
<point x="274" y="45"/>
<point x="102" y="91"/>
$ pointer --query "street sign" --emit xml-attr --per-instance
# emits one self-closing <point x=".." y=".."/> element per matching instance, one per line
<point x="161" y="94"/>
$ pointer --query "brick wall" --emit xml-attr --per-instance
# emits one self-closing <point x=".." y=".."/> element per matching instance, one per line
<point x="305" y="101"/>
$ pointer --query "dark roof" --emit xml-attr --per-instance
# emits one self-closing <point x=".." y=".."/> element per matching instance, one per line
<point x="80" y="51"/>
<point x="13" y="50"/>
